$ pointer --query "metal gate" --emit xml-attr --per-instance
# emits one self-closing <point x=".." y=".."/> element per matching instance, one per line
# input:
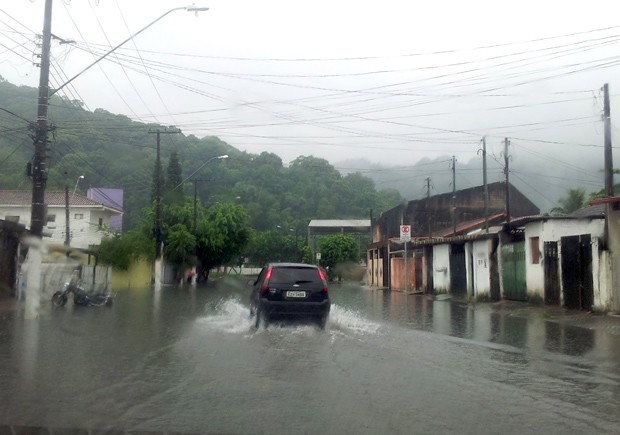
<point x="552" y="277"/>
<point x="429" y="269"/>
<point x="513" y="271"/>
<point x="494" y="271"/>
<point x="458" y="273"/>
<point x="577" y="272"/>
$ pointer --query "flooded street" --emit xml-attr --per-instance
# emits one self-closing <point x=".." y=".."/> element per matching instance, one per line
<point x="188" y="361"/>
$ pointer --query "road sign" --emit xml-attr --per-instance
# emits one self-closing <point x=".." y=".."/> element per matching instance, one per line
<point x="405" y="233"/>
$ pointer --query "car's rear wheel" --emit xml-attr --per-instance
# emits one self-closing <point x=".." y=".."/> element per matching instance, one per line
<point x="262" y="319"/>
<point x="322" y="321"/>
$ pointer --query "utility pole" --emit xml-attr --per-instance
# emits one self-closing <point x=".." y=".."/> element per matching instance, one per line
<point x="453" y="196"/>
<point x="158" y="219"/>
<point x="428" y="205"/>
<point x="39" y="171"/>
<point x="158" y="198"/>
<point x="506" y="173"/>
<point x="67" y="227"/>
<point x="609" y="170"/>
<point x="485" y="184"/>
<point x="195" y="200"/>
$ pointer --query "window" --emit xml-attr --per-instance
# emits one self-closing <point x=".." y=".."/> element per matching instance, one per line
<point x="12" y="219"/>
<point x="534" y="249"/>
<point x="78" y="216"/>
<point x="51" y="221"/>
<point x="100" y="223"/>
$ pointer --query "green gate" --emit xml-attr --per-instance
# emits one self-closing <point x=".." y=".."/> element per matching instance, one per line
<point x="513" y="271"/>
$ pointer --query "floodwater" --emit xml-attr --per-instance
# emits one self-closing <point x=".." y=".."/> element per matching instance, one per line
<point x="187" y="360"/>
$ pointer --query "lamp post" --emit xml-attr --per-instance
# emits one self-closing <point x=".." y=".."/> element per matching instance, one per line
<point x="67" y="226"/>
<point x="81" y="177"/>
<point x="39" y="170"/>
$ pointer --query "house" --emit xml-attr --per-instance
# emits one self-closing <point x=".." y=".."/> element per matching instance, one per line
<point x="435" y="213"/>
<point x="611" y="207"/>
<point x="567" y="261"/>
<point x="87" y="220"/>
<point x="558" y="260"/>
<point x="435" y="264"/>
<point x="112" y="198"/>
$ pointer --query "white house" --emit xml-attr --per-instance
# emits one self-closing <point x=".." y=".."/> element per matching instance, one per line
<point x="566" y="261"/>
<point x="88" y="220"/>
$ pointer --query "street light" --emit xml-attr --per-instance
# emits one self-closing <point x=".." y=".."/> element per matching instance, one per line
<point x="225" y="156"/>
<point x="76" y="184"/>
<point x="39" y="170"/>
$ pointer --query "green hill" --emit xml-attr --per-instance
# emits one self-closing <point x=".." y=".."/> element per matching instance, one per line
<point x="112" y="151"/>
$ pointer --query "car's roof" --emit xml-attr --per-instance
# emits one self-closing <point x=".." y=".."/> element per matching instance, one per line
<point x="292" y="265"/>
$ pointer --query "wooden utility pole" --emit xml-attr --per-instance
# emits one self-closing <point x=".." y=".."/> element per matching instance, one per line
<point x="453" y="195"/>
<point x="157" y="229"/>
<point x="39" y="164"/>
<point x="428" y="205"/>
<point x="609" y="170"/>
<point x="485" y="184"/>
<point x="67" y="227"/>
<point x="506" y="173"/>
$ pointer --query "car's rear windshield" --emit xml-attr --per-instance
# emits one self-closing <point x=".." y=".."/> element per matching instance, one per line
<point x="285" y="275"/>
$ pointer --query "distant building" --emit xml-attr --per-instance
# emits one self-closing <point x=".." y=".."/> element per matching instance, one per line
<point x="434" y="215"/>
<point x="88" y="219"/>
<point x="111" y="198"/>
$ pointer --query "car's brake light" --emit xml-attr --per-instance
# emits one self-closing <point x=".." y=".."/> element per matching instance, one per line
<point x="322" y="275"/>
<point x="265" y="287"/>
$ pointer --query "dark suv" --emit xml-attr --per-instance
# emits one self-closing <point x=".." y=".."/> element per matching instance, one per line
<point x="290" y="290"/>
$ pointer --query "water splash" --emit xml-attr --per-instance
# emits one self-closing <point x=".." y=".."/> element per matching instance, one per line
<point x="343" y="319"/>
<point x="231" y="316"/>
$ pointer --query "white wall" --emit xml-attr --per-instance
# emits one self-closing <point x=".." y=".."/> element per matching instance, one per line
<point x="84" y="232"/>
<point x="441" y="268"/>
<point x="554" y="230"/>
<point x="481" y="268"/>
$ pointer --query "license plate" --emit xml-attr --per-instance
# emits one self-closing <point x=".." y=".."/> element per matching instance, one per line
<point x="295" y="294"/>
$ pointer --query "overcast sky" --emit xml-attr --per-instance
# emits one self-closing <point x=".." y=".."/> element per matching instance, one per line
<point x="392" y="81"/>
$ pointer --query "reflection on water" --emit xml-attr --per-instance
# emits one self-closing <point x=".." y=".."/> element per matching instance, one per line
<point x="478" y="322"/>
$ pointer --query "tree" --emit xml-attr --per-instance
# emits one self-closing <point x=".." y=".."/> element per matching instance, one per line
<point x="119" y="250"/>
<point x="573" y="200"/>
<point x="179" y="248"/>
<point x="173" y="192"/>
<point x="336" y="250"/>
<point x="222" y="236"/>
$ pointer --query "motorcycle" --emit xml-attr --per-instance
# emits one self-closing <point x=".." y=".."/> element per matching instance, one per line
<point x="80" y="296"/>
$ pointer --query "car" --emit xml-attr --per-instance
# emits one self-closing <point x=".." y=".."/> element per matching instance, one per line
<point x="290" y="291"/>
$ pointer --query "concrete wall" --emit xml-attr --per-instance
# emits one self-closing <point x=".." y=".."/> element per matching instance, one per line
<point x="613" y="234"/>
<point x="479" y="286"/>
<point x="441" y="268"/>
<point x="554" y="230"/>
<point x="138" y="275"/>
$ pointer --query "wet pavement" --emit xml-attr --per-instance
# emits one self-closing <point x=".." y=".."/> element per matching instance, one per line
<point x="186" y="360"/>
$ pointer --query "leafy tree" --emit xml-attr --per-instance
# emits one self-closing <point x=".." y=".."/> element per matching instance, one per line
<point x="172" y="192"/>
<point x="574" y="200"/>
<point x="273" y="245"/>
<point x="179" y="248"/>
<point x="338" y="249"/>
<point x="119" y="250"/>
<point x="222" y="236"/>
